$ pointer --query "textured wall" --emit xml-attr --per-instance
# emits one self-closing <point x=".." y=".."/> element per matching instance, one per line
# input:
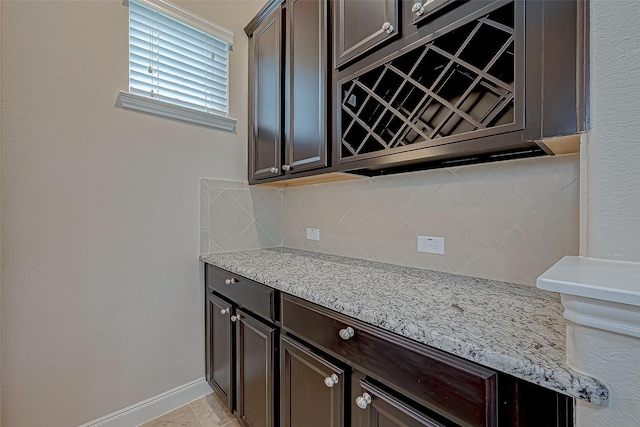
<point x="506" y="221"/>
<point x="613" y="157"/>
<point x="102" y="300"/>
<point x="612" y="166"/>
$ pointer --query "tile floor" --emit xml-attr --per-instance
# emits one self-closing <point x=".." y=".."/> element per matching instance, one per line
<point x="208" y="411"/>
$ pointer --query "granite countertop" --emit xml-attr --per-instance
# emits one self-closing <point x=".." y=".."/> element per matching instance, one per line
<point x="515" y="329"/>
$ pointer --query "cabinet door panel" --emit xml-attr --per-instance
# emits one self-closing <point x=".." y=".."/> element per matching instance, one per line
<point x="307" y="401"/>
<point x="219" y="348"/>
<point x="266" y="81"/>
<point x="383" y="410"/>
<point x="306" y="103"/>
<point x="255" y="359"/>
<point x="358" y="27"/>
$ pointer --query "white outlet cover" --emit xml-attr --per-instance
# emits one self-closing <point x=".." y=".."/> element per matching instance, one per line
<point x="431" y="245"/>
<point x="313" y="234"/>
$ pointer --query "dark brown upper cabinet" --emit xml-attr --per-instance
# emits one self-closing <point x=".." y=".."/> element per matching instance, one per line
<point x="467" y="82"/>
<point x="361" y="26"/>
<point x="425" y="10"/>
<point x="265" y="88"/>
<point x="289" y="75"/>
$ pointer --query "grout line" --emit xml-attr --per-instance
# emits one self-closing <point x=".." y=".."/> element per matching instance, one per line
<point x="539" y="244"/>
<point x="239" y="235"/>
<point x="484" y="250"/>
<point x="194" y="413"/>
<point x="265" y="232"/>
<point x="219" y="194"/>
<point x="547" y="201"/>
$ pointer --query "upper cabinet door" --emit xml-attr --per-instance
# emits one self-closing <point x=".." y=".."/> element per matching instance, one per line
<point x="266" y="65"/>
<point x="306" y="103"/>
<point x="359" y="26"/>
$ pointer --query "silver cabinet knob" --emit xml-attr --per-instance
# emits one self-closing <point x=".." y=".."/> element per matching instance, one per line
<point x="347" y="333"/>
<point x="225" y="310"/>
<point x="286" y="167"/>
<point x="235" y="317"/>
<point x="418" y="9"/>
<point x="363" y="401"/>
<point x="230" y="281"/>
<point x="387" y="27"/>
<point x="274" y="170"/>
<point x="331" y="381"/>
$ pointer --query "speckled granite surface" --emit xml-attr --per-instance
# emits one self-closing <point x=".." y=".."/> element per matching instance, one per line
<point x="511" y="328"/>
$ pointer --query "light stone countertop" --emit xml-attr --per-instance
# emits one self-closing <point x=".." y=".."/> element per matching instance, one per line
<point x="515" y="329"/>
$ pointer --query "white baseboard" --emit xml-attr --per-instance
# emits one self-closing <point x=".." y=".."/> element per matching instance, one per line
<point x="152" y="408"/>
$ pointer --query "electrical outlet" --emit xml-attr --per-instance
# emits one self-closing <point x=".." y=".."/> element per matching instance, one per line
<point x="313" y="234"/>
<point x="431" y="245"/>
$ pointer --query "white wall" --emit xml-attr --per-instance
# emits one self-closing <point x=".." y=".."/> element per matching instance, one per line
<point x="611" y="205"/>
<point x="102" y="303"/>
<point x="613" y="154"/>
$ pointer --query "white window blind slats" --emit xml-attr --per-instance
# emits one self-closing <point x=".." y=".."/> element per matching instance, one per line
<point x="176" y="97"/>
<point x="142" y="17"/>
<point x="141" y="39"/>
<point x="173" y="62"/>
<point x="195" y="69"/>
<point x="140" y="72"/>
<point x="148" y="80"/>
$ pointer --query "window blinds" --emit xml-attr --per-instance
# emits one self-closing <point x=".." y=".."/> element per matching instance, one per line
<point x="176" y="63"/>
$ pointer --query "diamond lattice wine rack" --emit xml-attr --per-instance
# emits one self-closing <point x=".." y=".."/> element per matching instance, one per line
<point x="460" y="85"/>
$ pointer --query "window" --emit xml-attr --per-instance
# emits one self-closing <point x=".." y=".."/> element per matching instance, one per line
<point x="178" y="65"/>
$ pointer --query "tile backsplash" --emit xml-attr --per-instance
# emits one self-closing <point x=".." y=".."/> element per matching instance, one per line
<point x="506" y="221"/>
<point x="234" y="216"/>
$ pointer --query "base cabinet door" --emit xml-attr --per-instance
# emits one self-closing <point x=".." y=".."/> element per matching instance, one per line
<point x="372" y="407"/>
<point x="312" y="388"/>
<point x="219" y="348"/>
<point x="255" y="366"/>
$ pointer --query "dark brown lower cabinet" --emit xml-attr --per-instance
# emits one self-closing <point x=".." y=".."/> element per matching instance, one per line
<point x="279" y="361"/>
<point x="255" y="365"/>
<point x="219" y="347"/>
<point x="312" y="388"/>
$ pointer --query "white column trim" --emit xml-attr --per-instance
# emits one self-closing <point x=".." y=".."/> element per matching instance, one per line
<point x="597" y="293"/>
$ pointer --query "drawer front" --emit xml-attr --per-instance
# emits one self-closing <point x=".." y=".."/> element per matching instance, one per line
<point x="373" y="407"/>
<point x="252" y="296"/>
<point x="459" y="390"/>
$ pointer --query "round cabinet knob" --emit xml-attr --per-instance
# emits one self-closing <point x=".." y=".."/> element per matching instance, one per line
<point x="363" y="401"/>
<point x="347" y="333"/>
<point x="225" y="310"/>
<point x="230" y="281"/>
<point x="235" y="317"/>
<point x="418" y="9"/>
<point x="331" y="381"/>
<point x="286" y="167"/>
<point x="387" y="27"/>
<point x="274" y="170"/>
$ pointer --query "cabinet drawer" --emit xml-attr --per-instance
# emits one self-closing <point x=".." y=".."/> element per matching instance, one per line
<point x="374" y="407"/>
<point x="252" y="296"/>
<point x="459" y="390"/>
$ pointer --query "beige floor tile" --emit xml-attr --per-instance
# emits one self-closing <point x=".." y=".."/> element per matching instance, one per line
<point x="211" y="412"/>
<point x="181" y="417"/>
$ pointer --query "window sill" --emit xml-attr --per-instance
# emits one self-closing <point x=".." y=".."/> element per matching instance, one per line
<point x="129" y="101"/>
